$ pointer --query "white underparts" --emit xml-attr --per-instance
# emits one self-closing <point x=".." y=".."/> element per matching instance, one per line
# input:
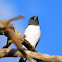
<point x="32" y="34"/>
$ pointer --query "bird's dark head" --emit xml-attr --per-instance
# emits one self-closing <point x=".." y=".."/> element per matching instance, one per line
<point x="34" y="20"/>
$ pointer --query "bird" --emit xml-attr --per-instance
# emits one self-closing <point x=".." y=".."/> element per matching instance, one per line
<point x="32" y="33"/>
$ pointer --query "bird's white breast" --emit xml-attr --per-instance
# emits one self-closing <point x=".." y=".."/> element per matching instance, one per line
<point x="32" y="34"/>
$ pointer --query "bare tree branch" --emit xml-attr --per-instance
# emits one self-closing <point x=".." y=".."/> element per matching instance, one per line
<point x="22" y="40"/>
<point x="6" y="27"/>
<point x="4" y="24"/>
<point x="18" y="43"/>
<point x="16" y="18"/>
<point x="8" y="52"/>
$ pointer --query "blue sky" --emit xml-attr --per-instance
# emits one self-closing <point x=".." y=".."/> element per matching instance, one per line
<point x="49" y="13"/>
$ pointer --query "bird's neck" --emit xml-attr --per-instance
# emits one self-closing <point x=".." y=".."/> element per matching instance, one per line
<point x="33" y="23"/>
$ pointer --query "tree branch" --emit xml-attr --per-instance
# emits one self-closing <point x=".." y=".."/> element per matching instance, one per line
<point x="8" y="52"/>
<point x="6" y="27"/>
<point x="21" y="40"/>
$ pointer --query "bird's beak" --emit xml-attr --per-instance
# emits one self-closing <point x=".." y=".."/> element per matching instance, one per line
<point x="36" y="17"/>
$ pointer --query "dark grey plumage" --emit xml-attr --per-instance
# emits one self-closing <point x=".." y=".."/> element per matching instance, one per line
<point x="33" y="20"/>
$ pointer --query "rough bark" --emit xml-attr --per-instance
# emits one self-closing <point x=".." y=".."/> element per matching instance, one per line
<point x="8" y="52"/>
